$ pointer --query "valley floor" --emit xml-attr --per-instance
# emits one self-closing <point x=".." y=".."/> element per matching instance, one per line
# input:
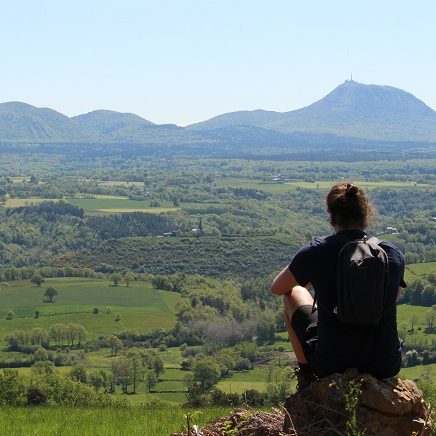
<point x="109" y="421"/>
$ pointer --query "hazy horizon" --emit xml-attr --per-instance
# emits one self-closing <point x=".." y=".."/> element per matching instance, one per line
<point x="185" y="63"/>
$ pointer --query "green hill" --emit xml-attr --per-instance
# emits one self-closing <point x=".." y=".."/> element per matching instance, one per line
<point x="352" y="109"/>
<point x="140" y="306"/>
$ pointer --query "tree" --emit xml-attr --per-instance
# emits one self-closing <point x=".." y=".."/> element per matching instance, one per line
<point x="50" y="293"/>
<point x="78" y="373"/>
<point x="206" y="371"/>
<point x="114" y="344"/>
<point x="429" y="319"/>
<point x="58" y="332"/>
<point x="137" y="367"/>
<point x="10" y="315"/>
<point x="72" y="332"/>
<point x="150" y="379"/>
<point x="158" y="366"/>
<point x="122" y="372"/>
<point x="116" y="277"/>
<point x="12" y="388"/>
<point x="41" y="354"/>
<point x="428" y="295"/>
<point x="128" y="277"/>
<point x="37" y="280"/>
<point x="81" y="334"/>
<point x="413" y="321"/>
<point x="97" y="380"/>
<point x="44" y="367"/>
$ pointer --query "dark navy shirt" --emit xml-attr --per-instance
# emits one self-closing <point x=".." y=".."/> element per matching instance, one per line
<point x="373" y="349"/>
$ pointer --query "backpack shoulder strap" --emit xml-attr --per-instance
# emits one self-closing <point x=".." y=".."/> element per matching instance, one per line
<point x="374" y="240"/>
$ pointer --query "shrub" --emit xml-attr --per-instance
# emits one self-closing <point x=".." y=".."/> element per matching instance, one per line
<point x="41" y="354"/>
<point x="185" y="364"/>
<point x="10" y="315"/>
<point x="243" y="364"/>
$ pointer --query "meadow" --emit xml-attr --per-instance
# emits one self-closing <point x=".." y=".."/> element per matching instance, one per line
<point x="415" y="372"/>
<point x="116" y="204"/>
<point x="140" y="306"/>
<point x="97" y="204"/>
<point x="143" y="308"/>
<point x="29" y="201"/>
<point x="282" y="186"/>
<point x="140" y="421"/>
<point x="419" y="269"/>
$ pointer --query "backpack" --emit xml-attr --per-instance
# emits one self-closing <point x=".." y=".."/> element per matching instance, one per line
<point x="362" y="273"/>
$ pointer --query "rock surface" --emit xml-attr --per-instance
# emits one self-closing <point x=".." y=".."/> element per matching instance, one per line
<point x="243" y="422"/>
<point x="392" y="407"/>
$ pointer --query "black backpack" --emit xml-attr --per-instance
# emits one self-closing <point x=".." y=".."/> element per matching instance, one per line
<point x="362" y="273"/>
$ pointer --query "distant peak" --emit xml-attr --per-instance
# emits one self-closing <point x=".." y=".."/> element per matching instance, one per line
<point x="351" y="82"/>
<point x="16" y="105"/>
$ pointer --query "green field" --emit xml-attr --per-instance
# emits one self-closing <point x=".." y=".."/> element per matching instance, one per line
<point x="114" y="204"/>
<point x="98" y="204"/>
<point x="141" y="421"/>
<point x="238" y="382"/>
<point x="327" y="184"/>
<point x="20" y="179"/>
<point x="126" y="184"/>
<point x="418" y="269"/>
<point x="141" y="307"/>
<point x="415" y="372"/>
<point x="30" y="201"/>
<point x="284" y="186"/>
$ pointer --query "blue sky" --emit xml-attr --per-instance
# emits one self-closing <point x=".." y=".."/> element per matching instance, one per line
<point x="188" y="60"/>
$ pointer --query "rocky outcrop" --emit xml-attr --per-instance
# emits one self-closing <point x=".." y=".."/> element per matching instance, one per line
<point x="243" y="422"/>
<point x="392" y="407"/>
<point x="348" y="404"/>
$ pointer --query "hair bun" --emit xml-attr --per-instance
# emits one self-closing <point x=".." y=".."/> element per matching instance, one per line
<point x="351" y="190"/>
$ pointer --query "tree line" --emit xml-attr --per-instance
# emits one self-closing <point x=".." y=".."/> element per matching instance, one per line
<point x="59" y="335"/>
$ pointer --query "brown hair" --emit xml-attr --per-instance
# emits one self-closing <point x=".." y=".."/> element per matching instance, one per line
<point x="348" y="206"/>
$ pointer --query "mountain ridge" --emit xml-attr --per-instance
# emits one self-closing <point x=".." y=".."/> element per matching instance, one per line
<point x="351" y="110"/>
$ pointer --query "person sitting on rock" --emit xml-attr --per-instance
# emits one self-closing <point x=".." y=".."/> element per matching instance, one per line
<point x="324" y="344"/>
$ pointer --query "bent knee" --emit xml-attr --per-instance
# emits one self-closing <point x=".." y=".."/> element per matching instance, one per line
<point x="299" y="296"/>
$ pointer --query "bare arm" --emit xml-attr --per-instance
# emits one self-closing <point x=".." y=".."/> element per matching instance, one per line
<point x="284" y="282"/>
<point x="399" y="293"/>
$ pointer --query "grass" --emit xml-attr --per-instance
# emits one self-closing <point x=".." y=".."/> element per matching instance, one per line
<point x="126" y="184"/>
<point x="415" y="372"/>
<point x="30" y="201"/>
<point x="101" y="196"/>
<point x="141" y="307"/>
<point x="238" y="382"/>
<point x="281" y="187"/>
<point x="20" y="179"/>
<point x="147" y="210"/>
<point x="109" y="421"/>
<point x="327" y="184"/>
<point x="418" y="269"/>
<point x="114" y="204"/>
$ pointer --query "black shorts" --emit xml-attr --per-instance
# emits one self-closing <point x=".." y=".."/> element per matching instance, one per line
<point x="305" y="324"/>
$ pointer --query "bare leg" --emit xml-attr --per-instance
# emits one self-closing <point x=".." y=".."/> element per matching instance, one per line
<point x="299" y="297"/>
